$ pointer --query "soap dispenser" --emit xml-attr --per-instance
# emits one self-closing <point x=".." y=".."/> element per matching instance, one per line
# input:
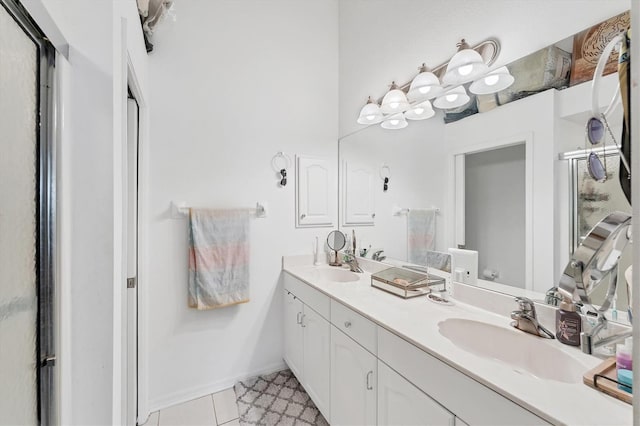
<point x="568" y="323"/>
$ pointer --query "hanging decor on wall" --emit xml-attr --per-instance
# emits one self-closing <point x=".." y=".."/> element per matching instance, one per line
<point x="280" y="163"/>
<point x="445" y="87"/>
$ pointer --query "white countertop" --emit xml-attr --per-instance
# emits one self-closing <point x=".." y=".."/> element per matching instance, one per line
<point x="416" y="320"/>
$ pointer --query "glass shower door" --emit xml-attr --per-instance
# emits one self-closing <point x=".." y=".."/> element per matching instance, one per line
<point x="18" y="224"/>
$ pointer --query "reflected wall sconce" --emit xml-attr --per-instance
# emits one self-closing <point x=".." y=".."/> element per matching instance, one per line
<point x="444" y="87"/>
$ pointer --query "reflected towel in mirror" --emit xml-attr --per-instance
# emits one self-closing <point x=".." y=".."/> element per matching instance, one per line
<point x="218" y="258"/>
<point x="421" y="234"/>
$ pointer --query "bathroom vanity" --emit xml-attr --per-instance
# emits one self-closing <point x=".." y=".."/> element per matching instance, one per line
<point x="369" y="357"/>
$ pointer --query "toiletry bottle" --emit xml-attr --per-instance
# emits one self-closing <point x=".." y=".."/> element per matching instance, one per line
<point x="624" y="364"/>
<point x="568" y="323"/>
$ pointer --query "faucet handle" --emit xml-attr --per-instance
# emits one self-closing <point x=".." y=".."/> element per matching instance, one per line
<point x="526" y="304"/>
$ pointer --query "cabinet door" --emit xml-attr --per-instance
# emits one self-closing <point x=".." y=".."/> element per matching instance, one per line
<point x="317" y="358"/>
<point x="353" y="382"/>
<point x="293" y="333"/>
<point x="316" y="192"/>
<point x="358" y="194"/>
<point x="401" y="403"/>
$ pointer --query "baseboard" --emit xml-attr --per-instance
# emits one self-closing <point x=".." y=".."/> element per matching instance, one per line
<point x="185" y="395"/>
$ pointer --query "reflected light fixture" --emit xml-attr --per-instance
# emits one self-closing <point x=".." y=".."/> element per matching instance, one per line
<point x="466" y="65"/>
<point x="394" y="101"/>
<point x="424" y="86"/>
<point x="453" y="98"/>
<point x="421" y="111"/>
<point x="394" y="122"/>
<point x="443" y="87"/>
<point x="370" y="113"/>
<point x="493" y="82"/>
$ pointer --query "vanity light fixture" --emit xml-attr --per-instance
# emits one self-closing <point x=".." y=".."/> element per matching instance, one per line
<point x="445" y="83"/>
<point x="466" y="65"/>
<point x="421" y="111"/>
<point x="370" y="113"/>
<point x="453" y="98"/>
<point x="493" y="82"/>
<point x="424" y="86"/>
<point x="394" y="122"/>
<point x="394" y="101"/>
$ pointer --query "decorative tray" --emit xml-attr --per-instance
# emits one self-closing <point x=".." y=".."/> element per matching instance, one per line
<point x="403" y="282"/>
<point x="603" y="378"/>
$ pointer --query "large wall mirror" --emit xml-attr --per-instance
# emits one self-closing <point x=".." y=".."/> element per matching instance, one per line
<point x="497" y="182"/>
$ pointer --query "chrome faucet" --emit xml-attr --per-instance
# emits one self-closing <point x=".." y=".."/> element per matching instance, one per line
<point x="378" y="256"/>
<point x="527" y="321"/>
<point x="352" y="261"/>
<point x="587" y="343"/>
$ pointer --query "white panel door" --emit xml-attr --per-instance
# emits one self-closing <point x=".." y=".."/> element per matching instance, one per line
<point x="401" y="403"/>
<point x="359" y="194"/>
<point x="353" y="382"/>
<point x="317" y="358"/>
<point x="293" y="311"/>
<point x="316" y="192"/>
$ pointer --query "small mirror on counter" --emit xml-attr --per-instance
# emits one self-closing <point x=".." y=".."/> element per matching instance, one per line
<point x="336" y="242"/>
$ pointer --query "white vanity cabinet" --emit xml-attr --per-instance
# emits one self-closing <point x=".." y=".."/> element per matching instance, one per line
<point x="401" y="403"/>
<point x="353" y="382"/>
<point x="307" y="339"/>
<point x="293" y="335"/>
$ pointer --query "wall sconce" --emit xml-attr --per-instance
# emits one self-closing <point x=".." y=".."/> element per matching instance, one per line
<point x="445" y="84"/>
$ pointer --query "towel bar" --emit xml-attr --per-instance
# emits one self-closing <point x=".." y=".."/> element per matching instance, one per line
<point x="397" y="211"/>
<point x="179" y="209"/>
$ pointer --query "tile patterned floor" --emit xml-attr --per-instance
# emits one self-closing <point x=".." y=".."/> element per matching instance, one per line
<point x="216" y="410"/>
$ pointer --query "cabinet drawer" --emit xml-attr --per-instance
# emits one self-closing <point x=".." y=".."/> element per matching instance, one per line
<point x="466" y="398"/>
<point x="311" y="297"/>
<point x="355" y="326"/>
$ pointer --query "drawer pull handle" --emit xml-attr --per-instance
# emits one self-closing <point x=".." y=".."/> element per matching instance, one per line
<point x="302" y="320"/>
<point x="299" y="318"/>
<point x="369" y="374"/>
<point x="347" y="324"/>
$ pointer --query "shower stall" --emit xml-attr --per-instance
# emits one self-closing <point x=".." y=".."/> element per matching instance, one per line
<point x="27" y="221"/>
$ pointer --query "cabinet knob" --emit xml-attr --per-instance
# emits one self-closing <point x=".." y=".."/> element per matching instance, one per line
<point x="373" y="216"/>
<point x="299" y="318"/>
<point x="347" y="324"/>
<point x="302" y="324"/>
<point x="302" y="216"/>
<point x="369" y="385"/>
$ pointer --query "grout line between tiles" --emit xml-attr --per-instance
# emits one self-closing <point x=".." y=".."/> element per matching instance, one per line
<point x="232" y="420"/>
<point x="215" y="413"/>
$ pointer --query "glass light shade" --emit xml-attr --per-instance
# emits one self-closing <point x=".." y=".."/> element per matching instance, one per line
<point x="394" y="122"/>
<point x="466" y="65"/>
<point x="422" y="111"/>
<point x="425" y="86"/>
<point x="454" y="98"/>
<point x="370" y="113"/>
<point x="394" y="101"/>
<point x="493" y="82"/>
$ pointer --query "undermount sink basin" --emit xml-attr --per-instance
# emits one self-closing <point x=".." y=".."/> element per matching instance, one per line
<point x="338" y="275"/>
<point x="523" y="352"/>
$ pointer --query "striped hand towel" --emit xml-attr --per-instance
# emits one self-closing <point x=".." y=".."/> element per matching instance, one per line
<point x="421" y="235"/>
<point x="218" y="258"/>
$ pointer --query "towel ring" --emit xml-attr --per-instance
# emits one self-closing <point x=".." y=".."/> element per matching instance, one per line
<point x="280" y="163"/>
<point x="385" y="175"/>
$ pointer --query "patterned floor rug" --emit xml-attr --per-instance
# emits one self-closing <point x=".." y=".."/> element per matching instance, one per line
<point x="276" y="399"/>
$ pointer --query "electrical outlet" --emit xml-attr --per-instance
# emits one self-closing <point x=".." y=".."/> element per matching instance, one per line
<point x="464" y="266"/>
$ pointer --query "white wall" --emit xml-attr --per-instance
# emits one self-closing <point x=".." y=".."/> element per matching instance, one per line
<point x="89" y="144"/>
<point x="233" y="83"/>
